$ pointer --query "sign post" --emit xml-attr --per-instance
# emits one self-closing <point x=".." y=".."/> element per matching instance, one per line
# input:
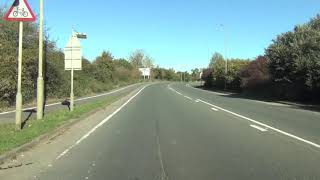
<point x="73" y="59"/>
<point x="20" y="11"/>
<point x="19" y="94"/>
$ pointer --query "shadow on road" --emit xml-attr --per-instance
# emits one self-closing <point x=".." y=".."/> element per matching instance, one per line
<point x="258" y="97"/>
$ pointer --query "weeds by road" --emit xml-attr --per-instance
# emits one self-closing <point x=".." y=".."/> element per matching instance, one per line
<point x="10" y="139"/>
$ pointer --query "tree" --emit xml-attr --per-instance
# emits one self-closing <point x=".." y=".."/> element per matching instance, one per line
<point x="216" y="58"/>
<point x="294" y="59"/>
<point x="217" y="64"/>
<point x="255" y="75"/>
<point x="123" y="63"/>
<point x="136" y="58"/>
<point x="147" y="62"/>
<point x="207" y="77"/>
<point x="195" y="74"/>
<point x="104" y="67"/>
<point x="235" y="67"/>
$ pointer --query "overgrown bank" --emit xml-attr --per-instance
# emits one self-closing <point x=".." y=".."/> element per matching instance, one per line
<point x="289" y="69"/>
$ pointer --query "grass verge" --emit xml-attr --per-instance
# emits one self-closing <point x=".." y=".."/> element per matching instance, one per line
<point x="10" y="139"/>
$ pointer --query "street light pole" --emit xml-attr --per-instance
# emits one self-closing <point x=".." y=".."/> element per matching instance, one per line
<point x="40" y="82"/>
<point x="225" y="55"/>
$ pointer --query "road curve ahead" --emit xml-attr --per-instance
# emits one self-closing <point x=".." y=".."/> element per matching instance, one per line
<point x="174" y="132"/>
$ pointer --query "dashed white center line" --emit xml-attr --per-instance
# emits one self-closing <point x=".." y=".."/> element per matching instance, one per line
<point x="259" y="128"/>
<point x="175" y="91"/>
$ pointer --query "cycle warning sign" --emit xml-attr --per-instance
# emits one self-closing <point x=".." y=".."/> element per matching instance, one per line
<point x="20" y="11"/>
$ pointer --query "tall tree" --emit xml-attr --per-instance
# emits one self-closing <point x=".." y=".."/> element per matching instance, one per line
<point x="294" y="59"/>
<point x="136" y="58"/>
<point x="147" y="62"/>
<point x="104" y="67"/>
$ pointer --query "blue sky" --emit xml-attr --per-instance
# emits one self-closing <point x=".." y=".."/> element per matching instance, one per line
<point x="177" y="33"/>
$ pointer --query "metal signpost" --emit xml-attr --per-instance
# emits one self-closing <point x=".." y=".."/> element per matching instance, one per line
<point x="73" y="59"/>
<point x="20" y="11"/>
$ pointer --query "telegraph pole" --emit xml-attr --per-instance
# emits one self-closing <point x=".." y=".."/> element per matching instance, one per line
<point x="40" y="82"/>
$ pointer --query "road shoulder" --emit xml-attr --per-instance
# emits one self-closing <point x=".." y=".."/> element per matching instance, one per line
<point x="42" y="153"/>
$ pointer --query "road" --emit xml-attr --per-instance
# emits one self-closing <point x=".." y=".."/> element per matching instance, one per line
<point x="30" y="112"/>
<point x="175" y="132"/>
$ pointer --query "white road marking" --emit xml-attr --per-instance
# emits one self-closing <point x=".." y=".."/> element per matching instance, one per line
<point x="214" y="109"/>
<point x="270" y="103"/>
<point x="259" y="128"/>
<point x="8" y="112"/>
<point x="175" y="91"/>
<point x="100" y="124"/>
<point x="264" y="125"/>
<point x="188" y="97"/>
<point x="80" y="99"/>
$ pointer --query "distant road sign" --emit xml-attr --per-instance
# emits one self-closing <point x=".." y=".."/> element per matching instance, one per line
<point x="145" y="71"/>
<point x="20" y="11"/>
<point x="73" y="54"/>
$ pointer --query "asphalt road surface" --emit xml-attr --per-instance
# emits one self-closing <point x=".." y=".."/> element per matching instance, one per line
<point x="30" y="112"/>
<point x="176" y="132"/>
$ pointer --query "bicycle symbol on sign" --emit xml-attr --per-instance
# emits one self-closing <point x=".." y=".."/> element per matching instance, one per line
<point x="20" y="11"/>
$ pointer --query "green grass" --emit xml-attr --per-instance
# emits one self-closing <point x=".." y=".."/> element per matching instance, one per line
<point x="10" y="139"/>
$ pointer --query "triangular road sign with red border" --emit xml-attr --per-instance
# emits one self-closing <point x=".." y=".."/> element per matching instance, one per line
<point x="20" y="11"/>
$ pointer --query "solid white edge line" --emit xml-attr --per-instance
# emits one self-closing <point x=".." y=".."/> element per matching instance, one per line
<point x="81" y="99"/>
<point x="214" y="109"/>
<point x="188" y="97"/>
<point x="265" y="125"/>
<point x="258" y="127"/>
<point x="100" y="124"/>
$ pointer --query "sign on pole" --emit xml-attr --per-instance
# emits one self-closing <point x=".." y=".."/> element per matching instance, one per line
<point x="145" y="71"/>
<point x="20" y="11"/>
<point x="73" y="59"/>
<point x="73" y="54"/>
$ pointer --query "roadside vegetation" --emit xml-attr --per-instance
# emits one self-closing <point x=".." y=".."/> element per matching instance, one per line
<point x="10" y="138"/>
<point x="289" y="69"/>
<point x="100" y="74"/>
